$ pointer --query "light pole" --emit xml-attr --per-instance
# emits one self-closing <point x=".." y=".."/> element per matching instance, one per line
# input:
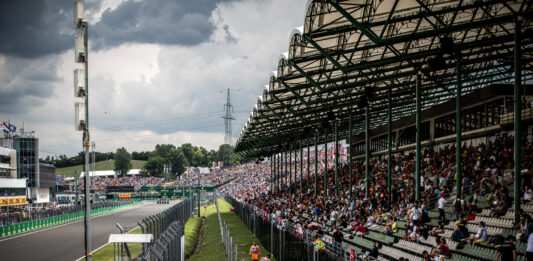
<point x="81" y="90"/>
<point x="198" y="190"/>
<point x="94" y="157"/>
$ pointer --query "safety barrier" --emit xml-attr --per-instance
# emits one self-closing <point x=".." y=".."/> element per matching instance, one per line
<point x="167" y="227"/>
<point x="282" y="238"/>
<point x="13" y="229"/>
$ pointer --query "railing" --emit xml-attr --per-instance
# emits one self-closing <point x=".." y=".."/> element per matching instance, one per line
<point x="34" y="214"/>
<point x="17" y="228"/>
<point x="282" y="239"/>
<point x="167" y="227"/>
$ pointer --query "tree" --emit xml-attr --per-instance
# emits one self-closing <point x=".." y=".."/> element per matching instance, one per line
<point x="178" y="162"/>
<point x="122" y="162"/>
<point x="164" y="150"/>
<point x="154" y="167"/>
<point x="198" y="159"/>
<point x="188" y="151"/>
<point x="225" y="148"/>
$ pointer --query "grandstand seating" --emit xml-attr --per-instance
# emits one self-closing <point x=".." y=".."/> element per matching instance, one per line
<point x="391" y="246"/>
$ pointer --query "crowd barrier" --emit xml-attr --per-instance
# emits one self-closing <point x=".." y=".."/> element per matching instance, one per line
<point x="22" y="227"/>
<point x="167" y="227"/>
<point x="282" y="240"/>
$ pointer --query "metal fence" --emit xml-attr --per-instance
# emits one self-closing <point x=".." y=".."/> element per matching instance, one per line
<point x="10" y="218"/>
<point x="167" y="227"/>
<point x="232" y="251"/>
<point x="26" y="226"/>
<point x="282" y="239"/>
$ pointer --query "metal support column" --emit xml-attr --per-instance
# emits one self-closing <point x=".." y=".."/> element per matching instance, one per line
<point x="301" y="165"/>
<point x="290" y="170"/>
<point x="287" y="171"/>
<point x="281" y="171"/>
<point x="517" y="116"/>
<point x="389" y="144"/>
<point x="316" y="163"/>
<point x="308" y="163"/>
<point x="350" y="152"/>
<point x="326" y="161"/>
<point x="367" y="152"/>
<point x="418" y="148"/>
<point x="458" y="129"/>
<point x="271" y="174"/>
<point x="336" y="158"/>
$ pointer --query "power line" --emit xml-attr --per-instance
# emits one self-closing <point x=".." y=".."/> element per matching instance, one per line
<point x="140" y="125"/>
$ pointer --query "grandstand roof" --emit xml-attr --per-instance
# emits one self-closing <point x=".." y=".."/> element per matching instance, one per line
<point x="349" y="52"/>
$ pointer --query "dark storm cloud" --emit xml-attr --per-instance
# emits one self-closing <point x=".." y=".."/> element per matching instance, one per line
<point x="35" y="28"/>
<point x="159" y="22"/>
<point x="25" y="84"/>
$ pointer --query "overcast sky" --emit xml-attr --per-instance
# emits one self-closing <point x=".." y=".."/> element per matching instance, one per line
<point x="158" y="69"/>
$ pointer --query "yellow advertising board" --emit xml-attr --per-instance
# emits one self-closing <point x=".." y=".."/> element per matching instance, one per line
<point x="12" y="201"/>
<point x="124" y="195"/>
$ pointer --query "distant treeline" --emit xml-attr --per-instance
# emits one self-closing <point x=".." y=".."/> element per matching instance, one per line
<point x="186" y="155"/>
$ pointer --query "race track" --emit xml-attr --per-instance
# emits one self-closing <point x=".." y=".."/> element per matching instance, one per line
<point x="66" y="242"/>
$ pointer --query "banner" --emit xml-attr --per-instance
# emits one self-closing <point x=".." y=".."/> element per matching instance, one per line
<point x="124" y="195"/>
<point x="12" y="201"/>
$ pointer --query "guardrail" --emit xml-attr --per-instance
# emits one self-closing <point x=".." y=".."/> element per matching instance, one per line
<point x="167" y="227"/>
<point x="14" y="229"/>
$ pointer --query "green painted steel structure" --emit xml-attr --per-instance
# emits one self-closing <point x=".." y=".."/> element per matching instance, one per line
<point x="350" y="52"/>
<point x="27" y="226"/>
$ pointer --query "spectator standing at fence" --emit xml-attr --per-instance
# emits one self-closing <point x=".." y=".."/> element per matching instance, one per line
<point x="338" y="236"/>
<point x="255" y="252"/>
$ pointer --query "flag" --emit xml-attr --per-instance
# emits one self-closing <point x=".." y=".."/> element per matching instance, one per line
<point x="11" y="127"/>
<point x="3" y="126"/>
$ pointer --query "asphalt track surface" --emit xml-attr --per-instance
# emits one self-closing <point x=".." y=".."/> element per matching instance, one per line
<point x="66" y="242"/>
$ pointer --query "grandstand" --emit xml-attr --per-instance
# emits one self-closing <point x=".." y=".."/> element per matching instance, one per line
<point x="433" y="99"/>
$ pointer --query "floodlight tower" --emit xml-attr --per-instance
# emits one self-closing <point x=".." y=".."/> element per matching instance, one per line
<point x="81" y="90"/>
<point x="228" y="153"/>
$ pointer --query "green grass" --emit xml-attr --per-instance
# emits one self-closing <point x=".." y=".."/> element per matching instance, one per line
<point x="101" y="165"/>
<point x="211" y="248"/>
<point x="191" y="233"/>
<point x="106" y="253"/>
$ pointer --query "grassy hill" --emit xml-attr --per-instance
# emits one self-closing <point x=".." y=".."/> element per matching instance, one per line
<point x="101" y="165"/>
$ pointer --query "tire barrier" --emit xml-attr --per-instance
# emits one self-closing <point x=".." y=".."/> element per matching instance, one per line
<point x="163" y="201"/>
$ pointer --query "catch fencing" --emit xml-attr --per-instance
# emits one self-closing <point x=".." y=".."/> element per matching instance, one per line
<point x="65" y="215"/>
<point x="167" y="227"/>
<point x="285" y="240"/>
<point x="14" y="217"/>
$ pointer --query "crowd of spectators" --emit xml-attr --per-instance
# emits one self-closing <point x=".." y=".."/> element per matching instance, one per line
<point x="216" y="178"/>
<point x="99" y="184"/>
<point x="189" y="178"/>
<point x="485" y="177"/>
